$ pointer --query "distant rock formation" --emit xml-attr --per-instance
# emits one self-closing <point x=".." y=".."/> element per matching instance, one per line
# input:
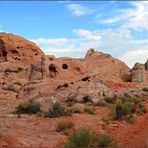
<point x="139" y="73"/>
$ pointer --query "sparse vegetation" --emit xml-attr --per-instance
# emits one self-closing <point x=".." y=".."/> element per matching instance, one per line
<point x="29" y="107"/>
<point x="19" y="69"/>
<point x="11" y="88"/>
<point x="18" y="83"/>
<point x="57" y="111"/>
<point x="71" y="100"/>
<point x="128" y="106"/>
<point x="90" y="110"/>
<point x="77" y="108"/>
<point x="110" y="99"/>
<point x="87" y="138"/>
<point x="100" y="103"/>
<point x="64" y="125"/>
<point x="87" y="99"/>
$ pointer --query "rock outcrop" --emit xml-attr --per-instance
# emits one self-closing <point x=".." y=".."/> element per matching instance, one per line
<point x="19" y="50"/>
<point x="139" y="73"/>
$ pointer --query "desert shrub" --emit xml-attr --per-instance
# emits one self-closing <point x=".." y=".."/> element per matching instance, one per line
<point x="110" y="99"/>
<point x="128" y="106"/>
<point x="71" y="100"/>
<point x="87" y="99"/>
<point x="104" y="140"/>
<point x="29" y="107"/>
<point x="77" y="108"/>
<point x="64" y="125"/>
<point x="19" y="69"/>
<point x="100" y="103"/>
<point x="57" y="111"/>
<point x="11" y="88"/>
<point x="118" y="109"/>
<point x="86" y="138"/>
<point x="90" y="110"/>
<point x="18" y="83"/>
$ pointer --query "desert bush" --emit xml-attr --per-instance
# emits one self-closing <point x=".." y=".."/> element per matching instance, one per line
<point x="86" y="138"/>
<point x="29" y="107"/>
<point x="11" y="88"/>
<point x="57" y="111"/>
<point x="64" y="125"/>
<point x="71" y="100"/>
<point x="77" y="108"/>
<point x="110" y="99"/>
<point x="19" y="69"/>
<point x="100" y="103"/>
<point x="18" y="83"/>
<point x="128" y="106"/>
<point x="90" y="110"/>
<point x="104" y="140"/>
<point x="87" y="99"/>
<point x="118" y="109"/>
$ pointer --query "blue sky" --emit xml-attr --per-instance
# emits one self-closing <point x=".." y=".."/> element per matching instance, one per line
<point x="71" y="28"/>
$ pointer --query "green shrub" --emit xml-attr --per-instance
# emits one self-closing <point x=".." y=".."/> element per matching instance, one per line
<point x="57" y="111"/>
<point x="104" y="140"/>
<point x="64" y="125"/>
<point x="87" y="99"/>
<point x="29" y="107"/>
<point x="128" y="106"/>
<point x="86" y="138"/>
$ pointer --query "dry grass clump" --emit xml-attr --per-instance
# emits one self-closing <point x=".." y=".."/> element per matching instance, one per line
<point x="64" y="125"/>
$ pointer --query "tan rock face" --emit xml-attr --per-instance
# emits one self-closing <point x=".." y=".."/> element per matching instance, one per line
<point x="139" y="73"/>
<point x="17" y="49"/>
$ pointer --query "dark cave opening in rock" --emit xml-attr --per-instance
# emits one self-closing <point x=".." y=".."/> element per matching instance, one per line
<point x="86" y="79"/>
<point x="65" y="66"/>
<point x="52" y="68"/>
<point x="4" y="53"/>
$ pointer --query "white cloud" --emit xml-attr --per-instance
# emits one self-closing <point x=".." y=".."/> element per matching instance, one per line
<point x="135" y="17"/>
<point x="87" y="35"/>
<point x="119" y="43"/>
<point x="133" y="56"/>
<point x="78" y="10"/>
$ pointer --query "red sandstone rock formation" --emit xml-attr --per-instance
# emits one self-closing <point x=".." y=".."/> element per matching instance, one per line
<point x="17" y="49"/>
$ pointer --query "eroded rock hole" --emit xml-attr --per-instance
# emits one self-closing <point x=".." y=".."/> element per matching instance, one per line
<point x="65" y="85"/>
<point x="14" y="51"/>
<point x="86" y="79"/>
<point x="65" y="66"/>
<point x="52" y="68"/>
<point x="77" y="69"/>
<point x="3" y="55"/>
